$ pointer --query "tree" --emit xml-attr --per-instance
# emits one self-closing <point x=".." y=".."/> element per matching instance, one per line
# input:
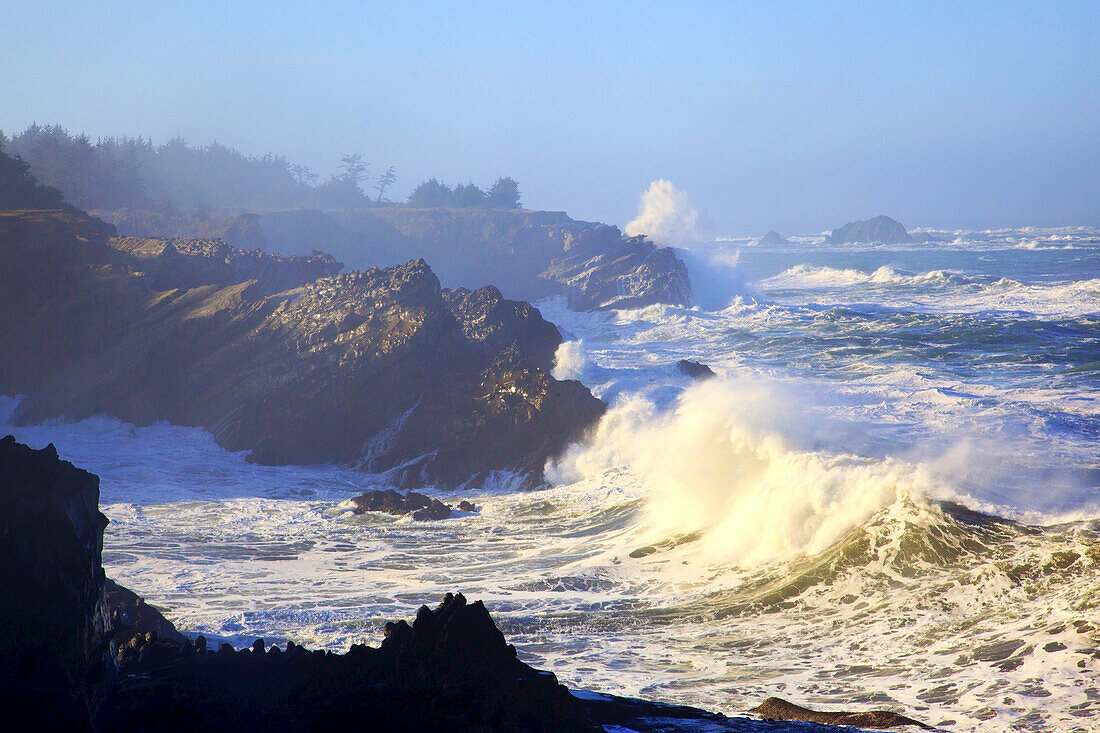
<point x="466" y="195"/>
<point x="430" y="193"/>
<point x="504" y="194"/>
<point x="384" y="181"/>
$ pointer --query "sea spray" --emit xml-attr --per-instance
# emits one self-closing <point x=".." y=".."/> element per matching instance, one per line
<point x="716" y="463"/>
<point x="665" y="215"/>
<point x="569" y="360"/>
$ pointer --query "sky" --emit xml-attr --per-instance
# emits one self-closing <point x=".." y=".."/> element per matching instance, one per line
<point x="797" y="117"/>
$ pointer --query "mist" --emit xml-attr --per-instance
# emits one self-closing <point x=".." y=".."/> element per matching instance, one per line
<point x="938" y="120"/>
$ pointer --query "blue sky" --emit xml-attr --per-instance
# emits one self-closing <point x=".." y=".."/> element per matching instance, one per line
<point x="789" y="116"/>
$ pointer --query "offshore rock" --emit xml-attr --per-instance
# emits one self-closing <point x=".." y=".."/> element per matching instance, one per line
<point x="880" y="229"/>
<point x="773" y="239"/>
<point x="381" y="369"/>
<point x="775" y="708"/>
<point x="695" y="370"/>
<point x="422" y="508"/>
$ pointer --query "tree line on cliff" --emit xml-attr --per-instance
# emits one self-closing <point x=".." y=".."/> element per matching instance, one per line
<point x="132" y="172"/>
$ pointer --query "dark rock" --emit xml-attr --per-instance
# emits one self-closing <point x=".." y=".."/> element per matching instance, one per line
<point x="773" y="239"/>
<point x="694" y="369"/>
<point x="128" y="610"/>
<point x="776" y="709"/>
<point x="392" y="502"/>
<point x="53" y="610"/>
<point x="465" y="506"/>
<point x="434" y="511"/>
<point x="450" y="669"/>
<point x="881" y="229"/>
<point x="382" y="369"/>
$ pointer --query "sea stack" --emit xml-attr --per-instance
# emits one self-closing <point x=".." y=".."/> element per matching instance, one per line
<point x="881" y="230"/>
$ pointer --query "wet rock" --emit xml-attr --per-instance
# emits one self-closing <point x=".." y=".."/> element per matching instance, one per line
<point x="694" y="369"/>
<point x="465" y="506"/>
<point x="775" y="708"/>
<point x="381" y="369"/>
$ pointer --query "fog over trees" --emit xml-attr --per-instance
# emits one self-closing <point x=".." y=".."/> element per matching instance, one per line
<point x="132" y="172"/>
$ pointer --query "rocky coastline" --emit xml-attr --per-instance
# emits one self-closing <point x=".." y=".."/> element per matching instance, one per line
<point x="78" y="652"/>
<point x="528" y="255"/>
<point x="382" y="368"/>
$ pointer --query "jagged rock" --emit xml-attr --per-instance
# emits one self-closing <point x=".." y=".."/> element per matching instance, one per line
<point x="880" y="229"/>
<point x="775" y="708"/>
<point x="190" y="263"/>
<point x="416" y="504"/>
<point x="450" y="669"/>
<point x="773" y="239"/>
<point x="465" y="506"/>
<point x="527" y="254"/>
<point x="382" y="369"/>
<point x="694" y="369"/>
<point x="128" y="610"/>
<point x="53" y="611"/>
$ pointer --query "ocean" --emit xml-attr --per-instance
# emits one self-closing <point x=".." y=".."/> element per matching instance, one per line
<point x="889" y="496"/>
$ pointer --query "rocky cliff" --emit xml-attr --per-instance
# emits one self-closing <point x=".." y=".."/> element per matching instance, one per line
<point x="880" y="229"/>
<point x="53" y="609"/>
<point x="527" y="254"/>
<point x="380" y="368"/>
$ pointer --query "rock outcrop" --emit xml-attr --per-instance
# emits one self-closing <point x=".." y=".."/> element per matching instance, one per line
<point x="191" y="263"/>
<point x="420" y="507"/>
<point x="773" y="239"/>
<point x="526" y="254"/>
<point x="53" y="610"/>
<point x="382" y="368"/>
<point x="880" y="229"/>
<point x="694" y="369"/>
<point x="775" y="708"/>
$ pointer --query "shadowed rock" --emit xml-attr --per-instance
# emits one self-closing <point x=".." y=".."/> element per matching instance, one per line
<point x="694" y="369"/>
<point x="776" y="709"/>
<point x="128" y="610"/>
<point x="422" y="508"/>
<point x="773" y="239"/>
<point x="881" y="229"/>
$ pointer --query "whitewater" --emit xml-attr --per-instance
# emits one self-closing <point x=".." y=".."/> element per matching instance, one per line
<point x="888" y="496"/>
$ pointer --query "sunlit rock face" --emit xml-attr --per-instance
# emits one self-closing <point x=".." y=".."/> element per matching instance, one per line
<point x="381" y="368"/>
<point x="526" y="254"/>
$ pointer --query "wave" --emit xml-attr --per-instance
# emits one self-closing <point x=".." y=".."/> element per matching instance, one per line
<point x="937" y="290"/>
<point x="811" y="276"/>
<point x="721" y="462"/>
